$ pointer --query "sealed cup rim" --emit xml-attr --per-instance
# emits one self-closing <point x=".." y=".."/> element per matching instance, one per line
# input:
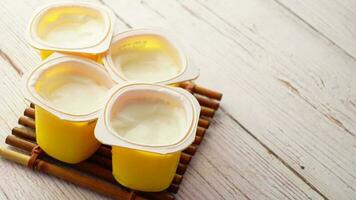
<point x="101" y="45"/>
<point x="107" y="135"/>
<point x="186" y="73"/>
<point x="30" y="79"/>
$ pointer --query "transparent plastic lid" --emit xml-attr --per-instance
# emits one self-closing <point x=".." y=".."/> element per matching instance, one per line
<point x="69" y="87"/>
<point x="71" y="27"/>
<point x="148" y="117"/>
<point x="149" y="56"/>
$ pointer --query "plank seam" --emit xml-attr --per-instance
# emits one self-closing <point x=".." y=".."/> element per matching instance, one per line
<point x="336" y="122"/>
<point x="11" y="62"/>
<point x="116" y="14"/>
<point x="274" y="154"/>
<point x="314" y="29"/>
<point x="227" y="179"/>
<point x="6" y="196"/>
<point x="207" y="182"/>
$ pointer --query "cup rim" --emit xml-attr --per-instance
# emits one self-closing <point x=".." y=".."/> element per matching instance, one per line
<point x="32" y="77"/>
<point x="38" y="43"/>
<point x="107" y="135"/>
<point x="187" y="72"/>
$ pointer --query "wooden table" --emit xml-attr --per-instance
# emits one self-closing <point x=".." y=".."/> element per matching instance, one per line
<point x="287" y="124"/>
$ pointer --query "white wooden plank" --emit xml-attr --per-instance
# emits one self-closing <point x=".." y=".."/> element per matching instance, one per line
<point x="231" y="162"/>
<point x="283" y="81"/>
<point x="334" y="19"/>
<point x="260" y="174"/>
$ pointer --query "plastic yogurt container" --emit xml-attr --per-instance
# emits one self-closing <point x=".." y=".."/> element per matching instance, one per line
<point x="147" y="125"/>
<point x="77" y="28"/>
<point x="146" y="55"/>
<point x="68" y="92"/>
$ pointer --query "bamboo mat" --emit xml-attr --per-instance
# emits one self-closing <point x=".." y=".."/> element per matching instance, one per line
<point x="95" y="173"/>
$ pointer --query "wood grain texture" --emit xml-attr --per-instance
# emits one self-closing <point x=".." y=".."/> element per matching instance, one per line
<point x="333" y="19"/>
<point x="287" y="125"/>
<point x="280" y="76"/>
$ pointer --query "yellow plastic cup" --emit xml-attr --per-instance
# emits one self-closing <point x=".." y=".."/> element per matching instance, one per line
<point x="143" y="157"/>
<point x="63" y="131"/>
<point x="149" y="56"/>
<point x="75" y="28"/>
<point x="142" y="170"/>
<point x="67" y="141"/>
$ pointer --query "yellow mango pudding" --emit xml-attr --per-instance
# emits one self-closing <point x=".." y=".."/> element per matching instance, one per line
<point x="68" y="92"/>
<point x="148" y="126"/>
<point x="149" y="56"/>
<point x="82" y="29"/>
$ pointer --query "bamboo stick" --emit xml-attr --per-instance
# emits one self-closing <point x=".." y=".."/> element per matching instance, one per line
<point x="88" y="167"/>
<point x="181" y="169"/>
<point x="208" y="112"/>
<point x="204" y="101"/>
<point x="191" y="149"/>
<point x="201" y="131"/>
<point x="197" y="140"/>
<point x="31" y="135"/>
<point x="207" y="92"/>
<point x="19" y="143"/>
<point x="24" y="133"/>
<point x="95" y="169"/>
<point x="202" y="91"/>
<point x="28" y="122"/>
<point x="203" y="123"/>
<point x="74" y="177"/>
<point x="103" y="150"/>
<point x="185" y="158"/>
<point x="19" y="158"/>
<point x="29" y="112"/>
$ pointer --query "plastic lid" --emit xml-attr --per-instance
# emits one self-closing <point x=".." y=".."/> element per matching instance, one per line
<point x="59" y="70"/>
<point x="147" y="55"/>
<point x="125" y="94"/>
<point x="71" y="27"/>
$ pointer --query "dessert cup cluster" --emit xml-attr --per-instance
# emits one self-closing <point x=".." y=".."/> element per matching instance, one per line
<point x="93" y="87"/>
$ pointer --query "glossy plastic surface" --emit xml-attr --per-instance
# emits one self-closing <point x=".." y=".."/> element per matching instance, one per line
<point x="70" y="142"/>
<point x="144" y="171"/>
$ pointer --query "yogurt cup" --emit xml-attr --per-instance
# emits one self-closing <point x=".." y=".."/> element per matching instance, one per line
<point x="148" y="126"/>
<point x="68" y="92"/>
<point x="77" y="28"/>
<point x="149" y="56"/>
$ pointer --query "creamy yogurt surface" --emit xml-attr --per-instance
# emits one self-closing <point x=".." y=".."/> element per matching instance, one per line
<point x="149" y="66"/>
<point x="75" y="94"/>
<point x="78" y="27"/>
<point x="150" y="122"/>
<point x="145" y="57"/>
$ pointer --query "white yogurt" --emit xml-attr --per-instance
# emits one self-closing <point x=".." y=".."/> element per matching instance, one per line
<point x="151" y="66"/>
<point x="73" y="29"/>
<point x="75" y="94"/>
<point x="68" y="87"/>
<point x="150" y="122"/>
